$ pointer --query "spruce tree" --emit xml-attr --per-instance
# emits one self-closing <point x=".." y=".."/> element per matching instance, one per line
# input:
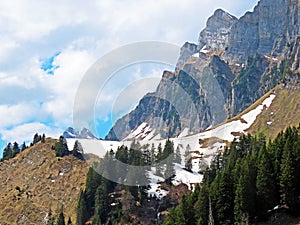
<point x="43" y="138"/>
<point x="93" y="180"/>
<point x="287" y="177"/>
<point x="61" y="147"/>
<point x="77" y="150"/>
<point x="15" y="149"/>
<point x="177" y="157"/>
<point x="82" y="210"/>
<point x="36" y="138"/>
<point x="7" y="152"/>
<point x="61" y="218"/>
<point x="23" y="146"/>
<point x="266" y="184"/>
<point x="101" y="206"/>
<point x="188" y="158"/>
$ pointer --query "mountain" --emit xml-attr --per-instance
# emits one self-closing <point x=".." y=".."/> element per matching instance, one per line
<point x="234" y="63"/>
<point x="83" y="134"/>
<point x="36" y="182"/>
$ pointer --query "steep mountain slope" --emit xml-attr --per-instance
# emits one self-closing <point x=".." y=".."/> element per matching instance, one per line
<point x="235" y="62"/>
<point x="284" y="112"/>
<point x="36" y="182"/>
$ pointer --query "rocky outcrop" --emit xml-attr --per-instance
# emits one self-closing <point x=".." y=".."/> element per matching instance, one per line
<point x="215" y="36"/>
<point x="266" y="30"/>
<point x="186" y="51"/>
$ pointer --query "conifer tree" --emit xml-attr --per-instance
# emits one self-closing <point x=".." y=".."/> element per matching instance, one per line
<point x="152" y="153"/>
<point x="177" y="157"/>
<point x="93" y="180"/>
<point x="15" y="149"/>
<point x="36" y="138"/>
<point x="23" y="146"/>
<point x="188" y="158"/>
<point x="287" y="177"/>
<point x="266" y="183"/>
<point x="81" y="210"/>
<point x="43" y="138"/>
<point x="61" y="218"/>
<point x="159" y="153"/>
<point x="61" y="147"/>
<point x="7" y="152"/>
<point x="101" y="206"/>
<point x="77" y="150"/>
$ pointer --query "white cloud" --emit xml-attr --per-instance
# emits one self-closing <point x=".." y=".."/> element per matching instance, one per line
<point x="26" y="131"/>
<point x="82" y="31"/>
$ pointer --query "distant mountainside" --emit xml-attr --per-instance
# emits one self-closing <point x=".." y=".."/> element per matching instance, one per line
<point x="234" y="63"/>
<point x="83" y="134"/>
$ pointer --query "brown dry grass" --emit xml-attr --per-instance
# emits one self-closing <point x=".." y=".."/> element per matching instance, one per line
<point x="283" y="112"/>
<point x="31" y="185"/>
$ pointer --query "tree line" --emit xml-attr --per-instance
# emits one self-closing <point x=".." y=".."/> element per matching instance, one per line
<point x="94" y="203"/>
<point x="11" y="150"/>
<point x="244" y="185"/>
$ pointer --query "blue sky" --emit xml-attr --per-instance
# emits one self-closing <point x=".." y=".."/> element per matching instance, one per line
<point x="47" y="46"/>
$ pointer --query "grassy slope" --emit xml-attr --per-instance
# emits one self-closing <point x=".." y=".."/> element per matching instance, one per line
<point x="36" y="172"/>
<point x="283" y="112"/>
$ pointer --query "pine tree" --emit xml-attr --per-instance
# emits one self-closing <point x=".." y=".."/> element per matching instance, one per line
<point x="152" y="153"/>
<point x="225" y="199"/>
<point x="287" y="177"/>
<point x="159" y="153"/>
<point x="43" y="138"/>
<point x="202" y="206"/>
<point x="7" y="152"/>
<point x="23" y="146"/>
<point x="61" y="218"/>
<point x="168" y="156"/>
<point x="77" y="150"/>
<point x="266" y="183"/>
<point x="36" y="138"/>
<point x="101" y="206"/>
<point x="81" y="210"/>
<point x="177" y="158"/>
<point x="245" y="192"/>
<point x="61" y="147"/>
<point x="93" y="180"/>
<point x="188" y="158"/>
<point x="15" y="149"/>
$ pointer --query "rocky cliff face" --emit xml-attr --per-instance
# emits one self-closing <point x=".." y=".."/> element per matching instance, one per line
<point x="215" y="35"/>
<point x="266" y="30"/>
<point x="235" y="62"/>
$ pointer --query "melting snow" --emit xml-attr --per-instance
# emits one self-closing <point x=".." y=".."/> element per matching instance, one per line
<point x="186" y="177"/>
<point x="204" y="50"/>
<point x="96" y="147"/>
<point x="201" y="154"/>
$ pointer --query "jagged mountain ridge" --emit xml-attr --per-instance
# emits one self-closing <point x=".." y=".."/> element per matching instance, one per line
<point x="235" y="62"/>
<point x="84" y="133"/>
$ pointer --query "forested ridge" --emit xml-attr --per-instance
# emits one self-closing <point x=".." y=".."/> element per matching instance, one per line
<point x="246" y="184"/>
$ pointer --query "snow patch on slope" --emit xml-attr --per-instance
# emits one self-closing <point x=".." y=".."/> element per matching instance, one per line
<point x="202" y="152"/>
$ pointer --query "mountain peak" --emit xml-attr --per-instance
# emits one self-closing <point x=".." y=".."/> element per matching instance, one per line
<point x="215" y="34"/>
<point x="85" y="133"/>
